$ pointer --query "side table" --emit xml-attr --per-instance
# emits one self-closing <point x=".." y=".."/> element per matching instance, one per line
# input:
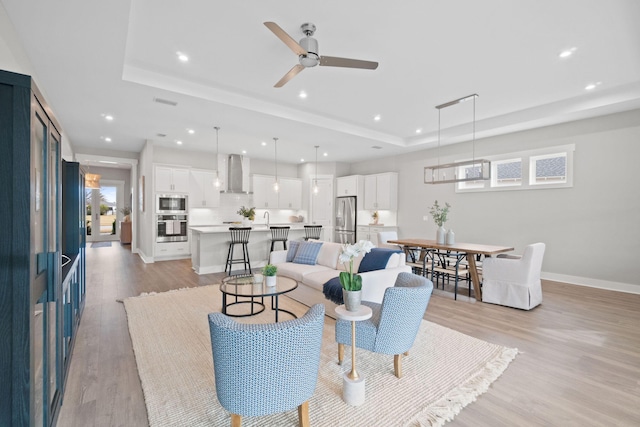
<point x="353" y="385"/>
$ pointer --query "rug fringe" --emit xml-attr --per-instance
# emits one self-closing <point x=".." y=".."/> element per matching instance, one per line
<point x="450" y="405"/>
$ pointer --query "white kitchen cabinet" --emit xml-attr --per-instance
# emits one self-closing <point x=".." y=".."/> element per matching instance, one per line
<point x="349" y="185"/>
<point x="202" y="192"/>
<point x="381" y="191"/>
<point x="370" y="232"/>
<point x="290" y="195"/>
<point x="264" y="197"/>
<point x="171" y="180"/>
<point x="172" y="250"/>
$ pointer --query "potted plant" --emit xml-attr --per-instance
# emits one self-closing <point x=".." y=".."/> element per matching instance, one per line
<point x="439" y="215"/>
<point x="248" y="213"/>
<point x="126" y="211"/>
<point x="269" y="272"/>
<point x="352" y="283"/>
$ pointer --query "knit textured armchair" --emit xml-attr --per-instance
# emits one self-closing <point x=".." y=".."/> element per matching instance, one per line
<point x="263" y="369"/>
<point x="393" y="327"/>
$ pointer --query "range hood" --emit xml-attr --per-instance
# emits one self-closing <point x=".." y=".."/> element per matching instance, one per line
<point x="237" y="174"/>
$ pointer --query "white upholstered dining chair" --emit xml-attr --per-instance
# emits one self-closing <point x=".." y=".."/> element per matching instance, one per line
<point x="514" y="281"/>
<point x="384" y="237"/>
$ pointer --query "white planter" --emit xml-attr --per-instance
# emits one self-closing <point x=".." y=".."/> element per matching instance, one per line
<point x="441" y="235"/>
<point x="270" y="280"/>
<point x="352" y="299"/>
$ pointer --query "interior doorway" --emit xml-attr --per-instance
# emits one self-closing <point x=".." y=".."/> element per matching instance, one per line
<point x="103" y="210"/>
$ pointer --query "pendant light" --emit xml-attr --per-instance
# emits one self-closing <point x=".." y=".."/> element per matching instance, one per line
<point x="276" y="186"/>
<point x="217" y="183"/>
<point x="315" y="181"/>
<point x="91" y="180"/>
<point x="473" y="170"/>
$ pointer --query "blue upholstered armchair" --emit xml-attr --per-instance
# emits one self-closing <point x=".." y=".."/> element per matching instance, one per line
<point x="264" y="369"/>
<point x="393" y="327"/>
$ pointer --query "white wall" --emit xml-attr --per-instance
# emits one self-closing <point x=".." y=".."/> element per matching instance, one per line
<point x="592" y="230"/>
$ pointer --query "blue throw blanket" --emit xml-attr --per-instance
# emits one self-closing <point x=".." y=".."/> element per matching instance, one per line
<point x="375" y="260"/>
<point x="332" y="290"/>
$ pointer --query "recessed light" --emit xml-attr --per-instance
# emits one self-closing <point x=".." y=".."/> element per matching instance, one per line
<point x="244" y="151"/>
<point x="567" y="53"/>
<point x="301" y="160"/>
<point x="592" y="86"/>
<point x="107" y="139"/>
<point x="302" y="94"/>
<point x="377" y="117"/>
<point x="263" y="143"/>
<point x="182" y="57"/>
<point x="179" y="142"/>
<point x="191" y="131"/>
<point x="419" y="131"/>
<point x="325" y="154"/>
<point x="107" y="117"/>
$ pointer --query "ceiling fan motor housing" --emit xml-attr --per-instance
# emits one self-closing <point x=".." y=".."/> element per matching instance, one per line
<point x="311" y="46"/>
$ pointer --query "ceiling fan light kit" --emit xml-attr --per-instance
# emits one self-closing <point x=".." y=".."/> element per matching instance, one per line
<point x="474" y="170"/>
<point x="308" y="53"/>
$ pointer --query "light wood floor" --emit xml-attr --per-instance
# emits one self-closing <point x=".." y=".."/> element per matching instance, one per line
<point x="579" y="361"/>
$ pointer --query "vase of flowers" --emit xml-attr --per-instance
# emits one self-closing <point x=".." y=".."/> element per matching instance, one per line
<point x="352" y="283"/>
<point x="374" y="217"/>
<point x="126" y="211"/>
<point x="439" y="215"/>
<point x="269" y="272"/>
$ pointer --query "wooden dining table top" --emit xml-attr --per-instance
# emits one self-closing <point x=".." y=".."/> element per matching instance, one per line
<point x="471" y="248"/>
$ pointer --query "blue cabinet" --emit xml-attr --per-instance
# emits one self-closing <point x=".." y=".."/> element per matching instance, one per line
<point x="32" y="307"/>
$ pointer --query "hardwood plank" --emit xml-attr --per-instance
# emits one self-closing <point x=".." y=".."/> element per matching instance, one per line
<point x="578" y="362"/>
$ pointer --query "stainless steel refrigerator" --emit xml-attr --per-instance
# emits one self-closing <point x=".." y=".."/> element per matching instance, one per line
<point x="346" y="221"/>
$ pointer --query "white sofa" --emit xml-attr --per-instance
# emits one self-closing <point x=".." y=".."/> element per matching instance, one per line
<point x="311" y="278"/>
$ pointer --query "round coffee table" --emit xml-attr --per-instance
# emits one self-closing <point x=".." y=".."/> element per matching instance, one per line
<point x="244" y="287"/>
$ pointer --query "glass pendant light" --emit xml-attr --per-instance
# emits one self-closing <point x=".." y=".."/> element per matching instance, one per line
<point x="315" y="181"/>
<point x="276" y="186"/>
<point x="217" y="183"/>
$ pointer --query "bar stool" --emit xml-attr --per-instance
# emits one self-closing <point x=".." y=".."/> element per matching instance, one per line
<point x="239" y="236"/>
<point x="312" y="232"/>
<point x="279" y="234"/>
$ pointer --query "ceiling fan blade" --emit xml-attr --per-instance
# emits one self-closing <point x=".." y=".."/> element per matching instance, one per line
<point x="333" y="61"/>
<point x="286" y="38"/>
<point x="291" y="74"/>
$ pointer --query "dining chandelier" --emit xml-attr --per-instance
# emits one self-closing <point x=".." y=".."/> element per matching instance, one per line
<point x="469" y="170"/>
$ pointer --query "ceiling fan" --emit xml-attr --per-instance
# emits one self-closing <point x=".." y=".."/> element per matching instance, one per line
<point x="307" y="51"/>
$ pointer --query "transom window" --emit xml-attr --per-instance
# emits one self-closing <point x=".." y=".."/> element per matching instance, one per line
<point x="527" y="170"/>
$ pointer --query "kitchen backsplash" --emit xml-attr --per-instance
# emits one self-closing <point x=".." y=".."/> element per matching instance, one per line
<point x="227" y="212"/>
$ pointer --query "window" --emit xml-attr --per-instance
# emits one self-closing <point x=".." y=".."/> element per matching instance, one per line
<point x="470" y="171"/>
<point x="548" y="169"/>
<point x="506" y="173"/>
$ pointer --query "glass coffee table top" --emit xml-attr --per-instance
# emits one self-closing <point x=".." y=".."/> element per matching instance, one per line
<point x="245" y="291"/>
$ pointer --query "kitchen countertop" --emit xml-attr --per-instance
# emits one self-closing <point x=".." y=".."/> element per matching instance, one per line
<point x="224" y="228"/>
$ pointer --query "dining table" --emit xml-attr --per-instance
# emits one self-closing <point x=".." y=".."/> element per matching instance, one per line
<point x="471" y="249"/>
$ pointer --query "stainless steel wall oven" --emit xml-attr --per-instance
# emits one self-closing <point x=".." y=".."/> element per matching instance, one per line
<point x="171" y="228"/>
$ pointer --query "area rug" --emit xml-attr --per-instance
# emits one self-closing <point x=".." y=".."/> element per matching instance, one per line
<point x="101" y="245"/>
<point x="445" y="370"/>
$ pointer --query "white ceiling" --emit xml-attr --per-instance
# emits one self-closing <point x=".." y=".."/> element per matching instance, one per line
<point x="95" y="58"/>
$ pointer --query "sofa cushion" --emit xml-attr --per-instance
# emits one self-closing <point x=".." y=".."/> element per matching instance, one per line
<point x="329" y="253"/>
<point x="299" y="271"/>
<point x="316" y="280"/>
<point x="293" y="248"/>
<point x="377" y="259"/>
<point x="307" y="253"/>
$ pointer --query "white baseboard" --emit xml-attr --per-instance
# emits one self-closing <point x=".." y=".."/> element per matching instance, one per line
<point x="145" y="258"/>
<point x="592" y="283"/>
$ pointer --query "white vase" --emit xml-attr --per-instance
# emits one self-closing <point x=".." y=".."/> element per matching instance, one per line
<point x="352" y="299"/>
<point x="270" y="280"/>
<point x="451" y="237"/>
<point x="441" y="235"/>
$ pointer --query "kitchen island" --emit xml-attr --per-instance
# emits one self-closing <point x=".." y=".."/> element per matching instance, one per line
<point x="210" y="246"/>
